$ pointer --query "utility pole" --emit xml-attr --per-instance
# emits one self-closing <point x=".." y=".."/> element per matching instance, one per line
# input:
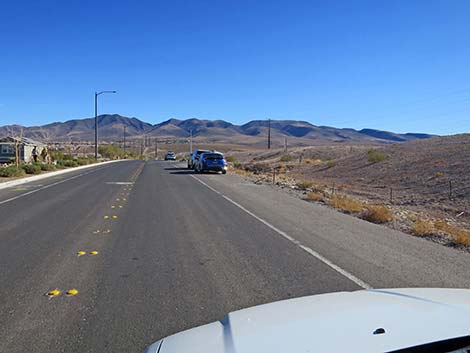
<point x="156" y="148"/>
<point x="285" y="144"/>
<point x="190" y="141"/>
<point x="124" y="140"/>
<point x="269" y="134"/>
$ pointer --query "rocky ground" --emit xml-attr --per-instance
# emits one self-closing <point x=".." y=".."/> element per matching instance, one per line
<point x="426" y="180"/>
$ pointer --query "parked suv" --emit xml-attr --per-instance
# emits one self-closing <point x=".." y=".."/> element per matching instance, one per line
<point x="192" y="161"/>
<point x="211" y="161"/>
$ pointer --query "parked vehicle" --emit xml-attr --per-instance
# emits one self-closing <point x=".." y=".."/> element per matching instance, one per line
<point x="211" y="161"/>
<point x="170" y="156"/>
<point x="192" y="161"/>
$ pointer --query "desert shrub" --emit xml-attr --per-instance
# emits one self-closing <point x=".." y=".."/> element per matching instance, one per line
<point x="111" y="151"/>
<point x="377" y="214"/>
<point x="460" y="236"/>
<point x="422" y="227"/>
<point x="67" y="163"/>
<point x="439" y="174"/>
<point x="330" y="164"/>
<point x="237" y="165"/>
<point x="313" y="161"/>
<point x="46" y="167"/>
<point x="11" y="171"/>
<point x="84" y="160"/>
<point x="304" y="185"/>
<point x="286" y="158"/>
<point x="31" y="168"/>
<point x="230" y="159"/>
<point x="315" y="196"/>
<point x="347" y="204"/>
<point x="375" y="156"/>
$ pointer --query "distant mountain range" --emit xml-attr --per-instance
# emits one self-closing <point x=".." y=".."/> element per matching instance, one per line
<point x="111" y="128"/>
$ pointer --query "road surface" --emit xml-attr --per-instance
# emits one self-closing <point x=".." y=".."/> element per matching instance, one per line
<point x="176" y="250"/>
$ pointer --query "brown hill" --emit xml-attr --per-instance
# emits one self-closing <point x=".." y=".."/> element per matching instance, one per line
<point x="111" y="128"/>
<point x="434" y="171"/>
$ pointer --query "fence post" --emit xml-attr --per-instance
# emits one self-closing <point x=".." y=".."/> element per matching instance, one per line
<point x="391" y="195"/>
<point x="450" y="189"/>
<point x="274" y="175"/>
<point x="333" y="189"/>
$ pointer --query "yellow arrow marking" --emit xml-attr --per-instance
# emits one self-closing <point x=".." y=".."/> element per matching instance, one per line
<point x="72" y="291"/>
<point x="80" y="253"/>
<point x="93" y="252"/>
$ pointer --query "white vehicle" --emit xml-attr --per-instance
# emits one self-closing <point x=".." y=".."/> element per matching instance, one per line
<point x="388" y="320"/>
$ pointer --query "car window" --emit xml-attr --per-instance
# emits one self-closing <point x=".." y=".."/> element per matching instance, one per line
<point x="213" y="156"/>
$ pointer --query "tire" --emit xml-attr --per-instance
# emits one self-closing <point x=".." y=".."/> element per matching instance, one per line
<point x="224" y="172"/>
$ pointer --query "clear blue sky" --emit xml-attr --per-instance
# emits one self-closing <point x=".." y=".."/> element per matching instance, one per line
<point x="393" y="65"/>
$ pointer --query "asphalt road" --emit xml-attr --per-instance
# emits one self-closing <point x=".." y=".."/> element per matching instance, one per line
<point x="177" y="250"/>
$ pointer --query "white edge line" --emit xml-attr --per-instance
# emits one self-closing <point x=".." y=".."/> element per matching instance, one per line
<point x="16" y="182"/>
<point x="312" y="252"/>
<point x="48" y="186"/>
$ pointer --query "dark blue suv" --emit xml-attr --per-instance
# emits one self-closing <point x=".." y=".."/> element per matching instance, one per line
<point x="211" y="161"/>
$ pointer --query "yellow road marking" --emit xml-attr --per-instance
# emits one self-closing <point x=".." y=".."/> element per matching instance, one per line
<point x="72" y="291"/>
<point x="113" y="206"/>
<point x="53" y="293"/>
<point x="93" y="252"/>
<point x="96" y="231"/>
<point x="106" y="217"/>
<point x="80" y="253"/>
<point x="115" y="216"/>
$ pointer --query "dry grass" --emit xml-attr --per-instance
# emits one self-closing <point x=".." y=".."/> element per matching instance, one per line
<point x="304" y="185"/>
<point x="423" y="227"/>
<point x="315" y="196"/>
<point x="441" y="227"/>
<point x="286" y="158"/>
<point x="377" y="214"/>
<point x="347" y="204"/>
<point x="313" y="161"/>
<point x="459" y="235"/>
<point x="242" y="172"/>
<point x="281" y="169"/>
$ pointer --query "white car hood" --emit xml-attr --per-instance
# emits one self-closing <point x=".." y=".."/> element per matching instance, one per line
<point x="336" y="322"/>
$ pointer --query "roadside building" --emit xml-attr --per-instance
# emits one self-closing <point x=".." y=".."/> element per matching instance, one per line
<point x="26" y="146"/>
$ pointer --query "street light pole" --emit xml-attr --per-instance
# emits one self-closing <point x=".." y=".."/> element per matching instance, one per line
<point x="96" y="120"/>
